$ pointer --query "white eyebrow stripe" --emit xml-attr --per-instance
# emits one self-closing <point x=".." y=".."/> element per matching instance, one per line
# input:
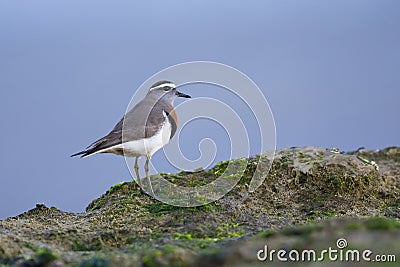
<point x="163" y="85"/>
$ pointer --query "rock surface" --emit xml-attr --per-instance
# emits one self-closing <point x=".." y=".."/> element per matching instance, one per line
<point x="311" y="197"/>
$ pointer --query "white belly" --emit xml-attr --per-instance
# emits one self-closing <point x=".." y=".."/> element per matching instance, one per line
<point x="146" y="146"/>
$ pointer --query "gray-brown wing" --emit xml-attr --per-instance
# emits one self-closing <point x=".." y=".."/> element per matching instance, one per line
<point x="140" y="122"/>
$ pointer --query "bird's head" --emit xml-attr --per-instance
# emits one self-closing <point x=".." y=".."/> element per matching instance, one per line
<point x="165" y="91"/>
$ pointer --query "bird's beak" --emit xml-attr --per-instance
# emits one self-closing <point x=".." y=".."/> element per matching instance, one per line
<point x="179" y="94"/>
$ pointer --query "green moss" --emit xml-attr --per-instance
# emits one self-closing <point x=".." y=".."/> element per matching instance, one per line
<point x="85" y="245"/>
<point x="167" y="255"/>
<point x="367" y="180"/>
<point x="178" y="236"/>
<point x="220" y="168"/>
<point x="302" y="230"/>
<point x="374" y="224"/>
<point x="325" y="213"/>
<point x="115" y="188"/>
<point x="213" y="206"/>
<point x="265" y="233"/>
<point x="149" y="259"/>
<point x="380" y="223"/>
<point x="222" y="232"/>
<point x="236" y="168"/>
<point x="156" y="235"/>
<point x="329" y="213"/>
<point x="228" y="230"/>
<point x="122" y="193"/>
<point x="354" y="226"/>
<point x="197" y="183"/>
<point x="96" y="261"/>
<point x="203" y="244"/>
<point x="44" y="256"/>
<point x="394" y="204"/>
<point x="31" y="246"/>
<point x="160" y="208"/>
<point x="339" y="179"/>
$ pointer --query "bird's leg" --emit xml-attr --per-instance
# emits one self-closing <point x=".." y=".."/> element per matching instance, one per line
<point x="146" y="169"/>
<point x="139" y="181"/>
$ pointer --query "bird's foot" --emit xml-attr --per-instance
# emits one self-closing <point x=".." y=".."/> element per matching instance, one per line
<point x="142" y="191"/>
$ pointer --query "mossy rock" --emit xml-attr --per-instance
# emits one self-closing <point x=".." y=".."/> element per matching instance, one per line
<point x="307" y="193"/>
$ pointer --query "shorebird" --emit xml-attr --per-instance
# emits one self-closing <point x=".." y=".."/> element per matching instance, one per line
<point x="143" y="130"/>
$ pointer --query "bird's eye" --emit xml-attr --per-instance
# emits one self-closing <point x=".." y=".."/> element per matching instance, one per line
<point x="167" y="88"/>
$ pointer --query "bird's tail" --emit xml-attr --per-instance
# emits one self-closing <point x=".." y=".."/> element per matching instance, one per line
<point x="91" y="149"/>
<point x="83" y="153"/>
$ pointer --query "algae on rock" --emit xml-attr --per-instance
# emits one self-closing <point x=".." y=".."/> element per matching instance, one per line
<point x="308" y="192"/>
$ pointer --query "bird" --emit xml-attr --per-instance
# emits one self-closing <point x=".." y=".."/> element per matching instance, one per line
<point x="143" y="130"/>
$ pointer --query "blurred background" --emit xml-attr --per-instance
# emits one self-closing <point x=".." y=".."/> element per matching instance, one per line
<point x="68" y="69"/>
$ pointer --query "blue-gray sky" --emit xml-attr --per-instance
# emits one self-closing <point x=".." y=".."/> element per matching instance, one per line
<point x="329" y="70"/>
